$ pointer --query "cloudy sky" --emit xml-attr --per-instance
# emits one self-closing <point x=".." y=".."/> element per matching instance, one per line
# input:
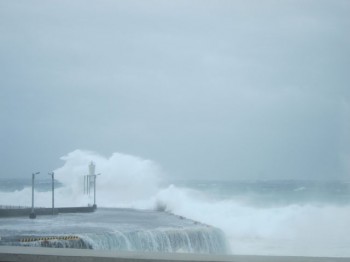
<point x="208" y="89"/>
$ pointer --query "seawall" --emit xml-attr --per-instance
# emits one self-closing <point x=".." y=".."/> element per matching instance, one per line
<point x="38" y="254"/>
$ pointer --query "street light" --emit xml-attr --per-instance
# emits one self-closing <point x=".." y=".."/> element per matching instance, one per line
<point x="52" y="174"/>
<point x="32" y="214"/>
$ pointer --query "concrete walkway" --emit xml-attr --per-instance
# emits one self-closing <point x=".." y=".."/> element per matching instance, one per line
<point x="37" y="254"/>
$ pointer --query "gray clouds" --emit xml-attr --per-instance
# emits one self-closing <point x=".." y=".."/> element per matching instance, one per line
<point x="231" y="89"/>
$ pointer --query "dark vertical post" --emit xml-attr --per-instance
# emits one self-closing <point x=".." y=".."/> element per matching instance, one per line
<point x="52" y="174"/>
<point x="53" y="193"/>
<point x="88" y="185"/>
<point x="95" y="206"/>
<point x="32" y="213"/>
<point x="95" y="191"/>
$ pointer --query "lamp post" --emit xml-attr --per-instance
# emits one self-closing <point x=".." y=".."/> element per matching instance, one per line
<point x="52" y="174"/>
<point x="32" y="214"/>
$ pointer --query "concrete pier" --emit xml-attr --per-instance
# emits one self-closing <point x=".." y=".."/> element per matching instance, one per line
<point x="31" y="254"/>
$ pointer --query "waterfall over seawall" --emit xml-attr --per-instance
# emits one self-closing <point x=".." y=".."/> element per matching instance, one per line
<point x="199" y="240"/>
<point x="116" y="229"/>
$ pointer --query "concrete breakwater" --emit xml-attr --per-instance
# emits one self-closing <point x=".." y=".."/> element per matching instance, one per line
<point x="25" y="211"/>
<point x="63" y="241"/>
<point x="115" y="229"/>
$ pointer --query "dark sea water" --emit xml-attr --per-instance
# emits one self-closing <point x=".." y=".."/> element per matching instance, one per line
<point x="276" y="192"/>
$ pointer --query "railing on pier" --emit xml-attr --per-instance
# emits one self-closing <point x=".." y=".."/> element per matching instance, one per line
<point x="13" y="207"/>
<point x="18" y="211"/>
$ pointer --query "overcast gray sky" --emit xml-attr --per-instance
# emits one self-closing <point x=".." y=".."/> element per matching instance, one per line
<point x="207" y="89"/>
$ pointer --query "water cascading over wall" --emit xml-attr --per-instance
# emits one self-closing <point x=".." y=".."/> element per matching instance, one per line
<point x="206" y="240"/>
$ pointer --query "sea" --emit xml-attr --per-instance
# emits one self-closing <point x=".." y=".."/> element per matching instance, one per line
<point x="141" y="208"/>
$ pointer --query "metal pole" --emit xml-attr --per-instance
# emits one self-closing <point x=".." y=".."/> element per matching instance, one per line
<point x="52" y="174"/>
<point x="53" y="193"/>
<point x="32" y="214"/>
<point x="88" y="185"/>
<point x="94" y="190"/>
<point x="89" y="177"/>
<point x="33" y="193"/>
<point x="95" y="206"/>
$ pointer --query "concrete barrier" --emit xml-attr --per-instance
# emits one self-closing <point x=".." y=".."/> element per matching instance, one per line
<point x="15" y="212"/>
<point x="20" y="212"/>
<point x="31" y="254"/>
<point x="87" y="209"/>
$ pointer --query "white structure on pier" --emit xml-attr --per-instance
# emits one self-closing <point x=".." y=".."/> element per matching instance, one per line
<point x="90" y="181"/>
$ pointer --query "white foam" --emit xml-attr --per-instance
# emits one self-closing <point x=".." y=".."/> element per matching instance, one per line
<point x="304" y="230"/>
<point x="124" y="178"/>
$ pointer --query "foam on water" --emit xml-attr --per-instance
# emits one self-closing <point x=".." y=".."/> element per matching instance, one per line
<point x="128" y="181"/>
<point x="306" y="230"/>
